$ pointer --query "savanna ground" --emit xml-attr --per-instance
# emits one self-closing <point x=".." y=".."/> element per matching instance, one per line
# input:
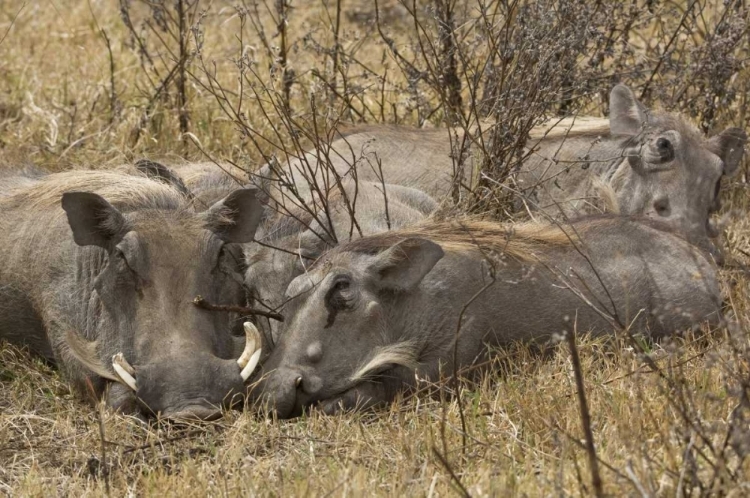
<point x="98" y="84"/>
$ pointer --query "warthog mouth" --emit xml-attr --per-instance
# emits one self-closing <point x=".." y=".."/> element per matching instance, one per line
<point x="193" y="412"/>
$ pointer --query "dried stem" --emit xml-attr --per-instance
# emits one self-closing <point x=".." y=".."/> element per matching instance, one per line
<point x="202" y="303"/>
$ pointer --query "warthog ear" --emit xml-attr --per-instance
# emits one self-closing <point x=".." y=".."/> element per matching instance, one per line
<point x="236" y="217"/>
<point x="159" y="172"/>
<point x="729" y="145"/>
<point x="403" y="266"/>
<point x="93" y="220"/>
<point x="626" y="114"/>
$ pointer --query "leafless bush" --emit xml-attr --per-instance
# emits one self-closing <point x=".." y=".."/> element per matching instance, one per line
<point x="164" y="39"/>
<point x="490" y="70"/>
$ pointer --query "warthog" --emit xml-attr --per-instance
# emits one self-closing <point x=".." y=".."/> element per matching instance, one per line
<point x="650" y="163"/>
<point x="374" y="314"/>
<point x="99" y="273"/>
<point x="290" y="242"/>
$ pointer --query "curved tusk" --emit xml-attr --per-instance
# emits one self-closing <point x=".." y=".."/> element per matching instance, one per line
<point x="124" y="371"/>
<point x="248" y="370"/>
<point x="298" y="381"/>
<point x="252" y="342"/>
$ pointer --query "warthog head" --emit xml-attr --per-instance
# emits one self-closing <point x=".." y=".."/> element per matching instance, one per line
<point x="166" y="355"/>
<point x="677" y="171"/>
<point x="338" y="334"/>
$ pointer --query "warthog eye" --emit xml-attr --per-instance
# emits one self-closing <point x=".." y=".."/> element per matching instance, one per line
<point x="124" y="271"/>
<point x="664" y="149"/>
<point x="232" y="263"/>
<point x="663" y="144"/>
<point x="123" y="265"/>
<point x="338" y="297"/>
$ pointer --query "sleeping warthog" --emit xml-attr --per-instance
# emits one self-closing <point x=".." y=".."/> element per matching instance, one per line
<point x="657" y="164"/>
<point x="373" y="314"/>
<point x="103" y="286"/>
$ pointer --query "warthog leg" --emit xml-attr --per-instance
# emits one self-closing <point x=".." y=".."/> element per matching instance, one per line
<point x="251" y="355"/>
<point x="124" y="370"/>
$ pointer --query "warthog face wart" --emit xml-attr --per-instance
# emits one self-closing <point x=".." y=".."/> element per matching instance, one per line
<point x="176" y="360"/>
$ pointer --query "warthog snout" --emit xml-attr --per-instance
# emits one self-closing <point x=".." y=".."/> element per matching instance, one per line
<point x="285" y="392"/>
<point x="195" y="387"/>
<point x="190" y="385"/>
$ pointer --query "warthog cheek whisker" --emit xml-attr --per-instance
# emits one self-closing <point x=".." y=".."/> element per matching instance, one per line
<point x="124" y="371"/>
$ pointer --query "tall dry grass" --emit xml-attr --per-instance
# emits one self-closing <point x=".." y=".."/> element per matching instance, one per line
<point x="79" y="87"/>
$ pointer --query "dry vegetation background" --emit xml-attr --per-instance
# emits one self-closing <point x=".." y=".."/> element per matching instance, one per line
<point x="100" y="83"/>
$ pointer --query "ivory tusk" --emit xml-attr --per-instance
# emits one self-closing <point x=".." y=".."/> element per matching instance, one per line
<point x="252" y="341"/>
<point x="248" y="370"/>
<point x="298" y="381"/>
<point x="124" y="371"/>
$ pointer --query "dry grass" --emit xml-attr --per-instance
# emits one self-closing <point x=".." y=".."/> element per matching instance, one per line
<point x="656" y="433"/>
<point x="523" y="432"/>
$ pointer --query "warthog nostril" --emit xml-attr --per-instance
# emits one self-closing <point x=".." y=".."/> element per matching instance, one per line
<point x="298" y="381"/>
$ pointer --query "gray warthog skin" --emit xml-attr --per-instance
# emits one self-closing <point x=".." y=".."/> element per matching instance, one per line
<point x="647" y="163"/>
<point x="100" y="263"/>
<point x="373" y="314"/>
<point x="287" y="244"/>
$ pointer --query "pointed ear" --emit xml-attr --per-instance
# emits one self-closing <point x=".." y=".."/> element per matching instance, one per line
<point x="159" y="172"/>
<point x="626" y="114"/>
<point x="403" y="266"/>
<point x="729" y="145"/>
<point x="264" y="180"/>
<point x="236" y="217"/>
<point x="93" y="220"/>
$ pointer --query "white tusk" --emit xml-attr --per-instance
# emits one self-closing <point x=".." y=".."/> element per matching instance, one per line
<point x="119" y="358"/>
<point x="252" y="339"/>
<point x="248" y="370"/>
<point x="124" y="370"/>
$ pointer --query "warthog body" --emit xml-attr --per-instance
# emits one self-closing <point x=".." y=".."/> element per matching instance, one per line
<point x="373" y="314"/>
<point x="115" y="269"/>
<point x="648" y="163"/>
<point x="290" y="242"/>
